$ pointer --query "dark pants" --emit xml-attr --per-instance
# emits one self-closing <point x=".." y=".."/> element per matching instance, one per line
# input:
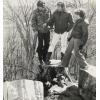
<point x="43" y="45"/>
<point x="74" y="46"/>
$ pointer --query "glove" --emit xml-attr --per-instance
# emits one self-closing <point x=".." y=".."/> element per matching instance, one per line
<point x="80" y="47"/>
<point x="44" y="25"/>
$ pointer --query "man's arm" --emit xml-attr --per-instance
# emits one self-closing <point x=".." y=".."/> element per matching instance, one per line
<point x="85" y="33"/>
<point x="34" y="22"/>
<point x="48" y="16"/>
<point x="51" y="21"/>
<point x="70" y="22"/>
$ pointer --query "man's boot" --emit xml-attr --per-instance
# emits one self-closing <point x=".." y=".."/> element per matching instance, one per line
<point x="48" y="58"/>
<point x="40" y="58"/>
<point x="62" y="55"/>
<point x="44" y="55"/>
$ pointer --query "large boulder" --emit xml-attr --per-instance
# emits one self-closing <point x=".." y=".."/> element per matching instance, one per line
<point x="87" y="83"/>
<point x="23" y="90"/>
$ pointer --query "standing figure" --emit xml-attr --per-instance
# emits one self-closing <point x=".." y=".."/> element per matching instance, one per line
<point x="41" y="16"/>
<point x="63" y="23"/>
<point x="77" y="40"/>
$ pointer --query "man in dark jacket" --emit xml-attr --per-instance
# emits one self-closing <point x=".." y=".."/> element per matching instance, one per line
<point x="40" y="16"/>
<point x="77" y="40"/>
<point x="63" y="23"/>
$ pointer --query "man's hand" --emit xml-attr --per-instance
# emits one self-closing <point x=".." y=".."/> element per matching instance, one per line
<point x="44" y="25"/>
<point x="80" y="47"/>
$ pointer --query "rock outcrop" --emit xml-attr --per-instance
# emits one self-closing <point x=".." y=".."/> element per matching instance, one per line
<point x="23" y="90"/>
<point x="87" y="83"/>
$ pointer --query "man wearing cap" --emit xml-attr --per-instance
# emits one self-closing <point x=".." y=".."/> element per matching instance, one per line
<point x="77" y="40"/>
<point x="40" y="16"/>
<point x="63" y="23"/>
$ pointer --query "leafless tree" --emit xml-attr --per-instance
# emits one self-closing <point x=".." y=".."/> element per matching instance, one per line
<point x="21" y="17"/>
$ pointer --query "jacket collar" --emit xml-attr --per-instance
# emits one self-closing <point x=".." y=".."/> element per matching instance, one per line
<point x="79" y="20"/>
<point x="60" y="11"/>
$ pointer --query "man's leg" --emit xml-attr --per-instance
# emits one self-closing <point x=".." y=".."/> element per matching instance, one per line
<point x="66" y="58"/>
<point x="64" y="44"/>
<point x="52" y="46"/>
<point x="40" y="46"/>
<point x="55" y="39"/>
<point x="46" y="45"/>
<point x="68" y="52"/>
<point x="79" y="57"/>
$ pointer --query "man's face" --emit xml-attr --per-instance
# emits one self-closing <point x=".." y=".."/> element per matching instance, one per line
<point x="59" y="8"/>
<point x="43" y="4"/>
<point x="40" y="8"/>
<point x="76" y="17"/>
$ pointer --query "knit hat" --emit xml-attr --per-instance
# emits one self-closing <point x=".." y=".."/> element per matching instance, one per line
<point x="40" y="3"/>
<point x="81" y="13"/>
<point x="61" y="4"/>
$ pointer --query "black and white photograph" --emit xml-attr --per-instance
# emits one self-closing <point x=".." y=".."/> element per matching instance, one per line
<point x="49" y="50"/>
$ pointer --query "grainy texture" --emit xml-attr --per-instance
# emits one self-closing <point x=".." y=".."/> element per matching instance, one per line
<point x="20" y="42"/>
<point x="23" y="90"/>
<point x="87" y="84"/>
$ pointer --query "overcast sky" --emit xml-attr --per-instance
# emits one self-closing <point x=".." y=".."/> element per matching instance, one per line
<point x="31" y="2"/>
<point x="14" y="2"/>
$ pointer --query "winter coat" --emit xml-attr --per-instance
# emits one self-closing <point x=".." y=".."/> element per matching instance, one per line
<point x="62" y="21"/>
<point x="39" y="18"/>
<point x="80" y="31"/>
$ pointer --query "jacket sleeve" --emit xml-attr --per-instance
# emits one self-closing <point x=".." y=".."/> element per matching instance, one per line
<point x="34" y="22"/>
<point x="70" y="23"/>
<point x="51" y="21"/>
<point x="48" y="15"/>
<point x="85" y="33"/>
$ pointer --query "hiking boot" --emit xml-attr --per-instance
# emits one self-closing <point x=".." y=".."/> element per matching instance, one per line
<point x="47" y="62"/>
<point x="48" y="58"/>
<point x="62" y="55"/>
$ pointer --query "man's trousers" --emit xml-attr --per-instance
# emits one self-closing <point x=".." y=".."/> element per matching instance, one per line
<point x="56" y="38"/>
<point x="74" y="46"/>
<point x="43" y="45"/>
